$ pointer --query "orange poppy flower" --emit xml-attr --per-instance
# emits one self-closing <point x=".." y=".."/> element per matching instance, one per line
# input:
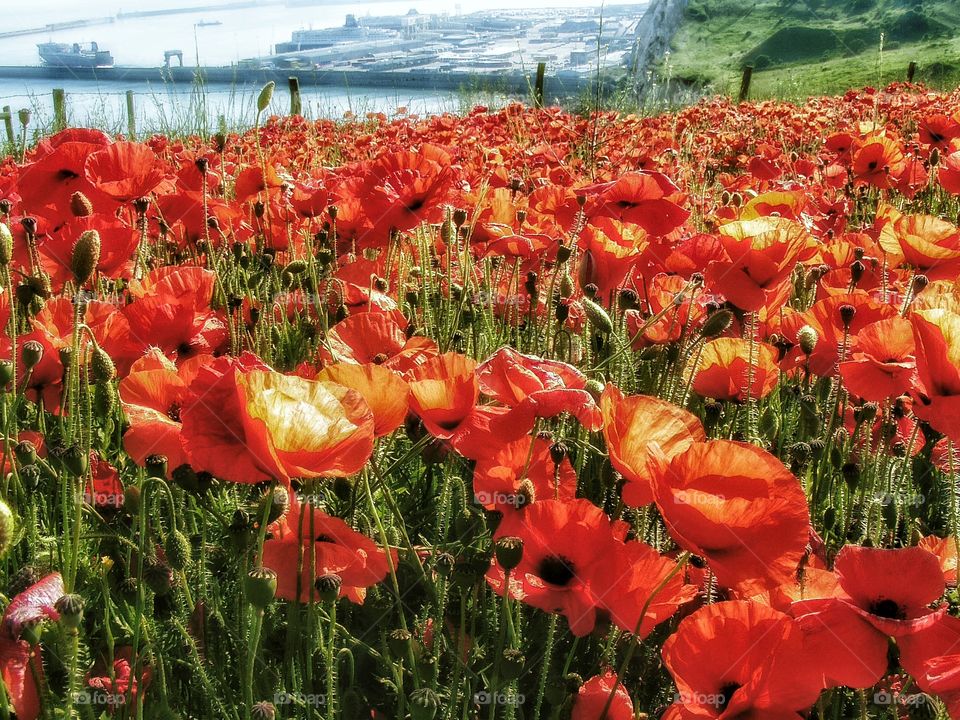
<point x="937" y="396"/>
<point x="945" y="550"/>
<point x="930" y="245"/>
<point x="443" y="392"/>
<point x="383" y="390"/>
<point x="740" y="508"/>
<point x="593" y="696"/>
<point x="948" y="174"/>
<point x="375" y="337"/>
<point x="500" y="470"/>
<point x="633" y="426"/>
<point x="724" y="370"/>
<point x="882" y="363"/>
<point x="124" y="171"/>
<point x="643" y="198"/>
<point x="878" y="161"/>
<point x="934" y="655"/>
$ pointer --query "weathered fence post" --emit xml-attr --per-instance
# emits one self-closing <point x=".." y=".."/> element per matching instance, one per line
<point x="538" y="87"/>
<point x="911" y="71"/>
<point x="745" y="82"/>
<point x="7" y="116"/>
<point x="296" y="106"/>
<point x="131" y="117"/>
<point x="59" y="109"/>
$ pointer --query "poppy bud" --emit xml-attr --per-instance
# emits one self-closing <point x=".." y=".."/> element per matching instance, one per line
<point x="31" y="631"/>
<point x="102" y="365"/>
<point x="5" y="206"/>
<point x="424" y="704"/>
<point x="597" y="316"/>
<point x="399" y="642"/>
<point x="263" y="710"/>
<point x="889" y="512"/>
<point x="178" y="550"/>
<point x="856" y="271"/>
<point x="265" y="96"/>
<point x="261" y="587"/>
<point x="717" y="323"/>
<point x="32" y="353"/>
<point x="86" y="255"/>
<point x="807" y="338"/>
<point x="8" y="528"/>
<point x="566" y="286"/>
<point x="590" y="290"/>
<point x="865" y="413"/>
<point x="847" y="313"/>
<point x="509" y="552"/>
<point x="629" y="299"/>
<point x="131" y="499"/>
<point x="328" y="587"/>
<point x="829" y="519"/>
<point x="817" y="447"/>
<point x="29" y="225"/>
<point x="800" y="454"/>
<point x="6" y="245"/>
<point x="511" y="664"/>
<point x="70" y="608"/>
<point x="919" y="283"/>
<point x="562" y="312"/>
<point x="595" y="388"/>
<point x="851" y="474"/>
<point x="80" y="205"/>
<point x="558" y="451"/>
<point x="6" y="373"/>
<point x="934" y="157"/>
<point x="76" y="460"/>
<point x="278" y="502"/>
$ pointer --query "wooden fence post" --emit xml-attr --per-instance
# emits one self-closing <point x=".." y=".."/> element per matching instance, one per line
<point x="7" y="116"/>
<point x="745" y="82"/>
<point x="538" y="87"/>
<point x="59" y="109"/>
<point x="911" y="71"/>
<point x="131" y="117"/>
<point x="296" y="106"/>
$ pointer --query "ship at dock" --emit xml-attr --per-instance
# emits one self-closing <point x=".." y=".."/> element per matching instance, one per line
<point x="76" y="55"/>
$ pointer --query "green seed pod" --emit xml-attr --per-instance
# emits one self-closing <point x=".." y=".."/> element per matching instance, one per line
<point x="8" y="528"/>
<point x="717" y="323"/>
<point x="6" y="373"/>
<point x="32" y="353"/>
<point x="424" y="704"/>
<point x="328" y="587"/>
<point x="70" y="607"/>
<point x="278" y="501"/>
<point x="509" y="552"/>
<point x="808" y="338"/>
<point x="399" y="641"/>
<point x="595" y="388"/>
<point x="296" y="267"/>
<point x="25" y="452"/>
<point x="80" y="205"/>
<point x="76" y="460"/>
<point x="178" y="550"/>
<point x="511" y="664"/>
<point x="261" y="587"/>
<point x="829" y="519"/>
<point x="597" y="316"/>
<point x="30" y="477"/>
<point x="265" y="96"/>
<point x="104" y="398"/>
<point x="31" y="631"/>
<point x="263" y="710"/>
<point x="86" y="255"/>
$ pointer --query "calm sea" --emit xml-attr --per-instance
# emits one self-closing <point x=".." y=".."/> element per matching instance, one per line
<point x="242" y="33"/>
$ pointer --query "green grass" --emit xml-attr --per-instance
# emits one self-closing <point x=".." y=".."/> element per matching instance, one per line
<point x="807" y="47"/>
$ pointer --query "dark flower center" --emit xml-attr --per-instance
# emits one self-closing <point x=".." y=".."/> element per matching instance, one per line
<point x="324" y="538"/>
<point x="726" y="694"/>
<point x="556" y="570"/>
<point x="173" y="412"/>
<point x="888" y="609"/>
<point x="66" y="174"/>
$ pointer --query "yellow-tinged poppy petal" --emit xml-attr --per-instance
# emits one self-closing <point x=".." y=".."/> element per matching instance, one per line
<point x="384" y="391"/>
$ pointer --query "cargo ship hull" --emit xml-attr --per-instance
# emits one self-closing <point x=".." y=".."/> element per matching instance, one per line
<point x="64" y="55"/>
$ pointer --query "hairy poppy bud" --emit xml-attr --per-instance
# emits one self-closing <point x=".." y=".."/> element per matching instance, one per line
<point x="807" y="338"/>
<point x="30" y="476"/>
<point x="595" y="388"/>
<point x="32" y="353"/>
<point x="328" y="587"/>
<point x="6" y="245"/>
<point x="851" y="474"/>
<point x="424" y="704"/>
<point x="597" y="316"/>
<point x="104" y="398"/>
<point x="509" y="552"/>
<point x="558" y="451"/>
<point x="131" y="499"/>
<point x="70" y="607"/>
<point x="526" y="494"/>
<point x="101" y="364"/>
<point x="261" y="587"/>
<point x="80" y="205"/>
<point x="8" y="528"/>
<point x="934" y="157"/>
<point x="86" y="255"/>
<point x="6" y="373"/>
<point x="919" y="283"/>
<point x="178" y="550"/>
<point x="265" y="96"/>
<point x="717" y="323"/>
<point x="856" y="271"/>
<point x="829" y="519"/>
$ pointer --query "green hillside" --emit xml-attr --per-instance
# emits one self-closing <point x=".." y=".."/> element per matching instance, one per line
<point x="801" y="47"/>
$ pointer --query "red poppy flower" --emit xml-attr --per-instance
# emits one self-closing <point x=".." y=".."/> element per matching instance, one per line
<point x="373" y="337"/>
<point x="633" y="426"/>
<point x="946" y="551"/>
<point x="739" y="660"/>
<point x="46" y="185"/>
<point x="938" y="130"/>
<point x="948" y="174"/>
<point x="119" y="687"/>
<point x="740" y="508"/>
<point x="762" y="254"/>
<point x="118" y="244"/>
<point x="593" y="696"/>
<point x="384" y="391"/>
<point x="933" y="654"/>
<point x="882" y="594"/>
<point x="16" y="656"/>
<point x="724" y="370"/>
<point x="930" y="245"/>
<point x="563" y="545"/>
<point x="124" y="171"/>
<point x="882" y="363"/>
<point x="534" y="387"/>
<point x="937" y="397"/>
<point x="319" y="544"/>
<point x="643" y="198"/>
<point x="878" y="161"/>
<point x="501" y="469"/>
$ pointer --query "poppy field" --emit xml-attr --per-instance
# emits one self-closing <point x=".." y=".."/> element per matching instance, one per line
<point x="510" y="415"/>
